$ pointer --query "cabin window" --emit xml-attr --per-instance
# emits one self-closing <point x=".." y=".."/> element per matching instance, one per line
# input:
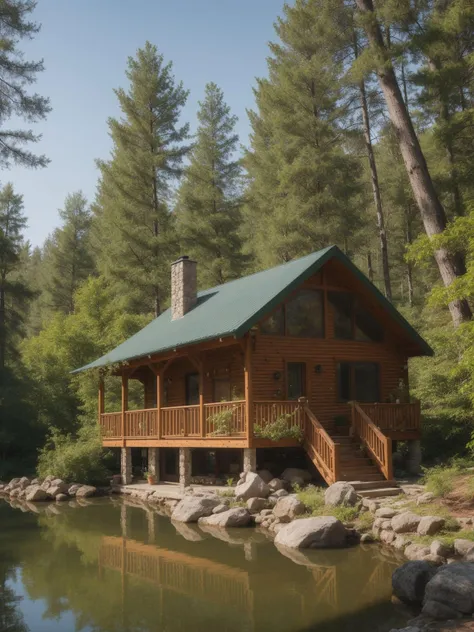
<point x="302" y="316"/>
<point x="295" y="380"/>
<point x="358" y="381"/>
<point x="222" y="390"/>
<point x="352" y="321"/>
<point x="192" y="389"/>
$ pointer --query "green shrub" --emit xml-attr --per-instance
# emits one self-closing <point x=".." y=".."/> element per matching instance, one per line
<point x="440" y="480"/>
<point x="279" y="429"/>
<point x="222" y="422"/>
<point x="313" y="499"/>
<point x="74" y="459"/>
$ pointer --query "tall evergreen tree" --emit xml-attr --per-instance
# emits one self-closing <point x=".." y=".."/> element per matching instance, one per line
<point x="209" y="200"/>
<point x="70" y="261"/>
<point x="305" y="182"/>
<point x="13" y="292"/>
<point x="16" y="75"/>
<point x="135" y="236"/>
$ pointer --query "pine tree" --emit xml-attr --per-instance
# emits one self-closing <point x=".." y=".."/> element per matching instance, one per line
<point x="305" y="188"/>
<point x="69" y="261"/>
<point x="13" y="292"/>
<point x="16" y="75"/>
<point x="134" y="231"/>
<point x="209" y="200"/>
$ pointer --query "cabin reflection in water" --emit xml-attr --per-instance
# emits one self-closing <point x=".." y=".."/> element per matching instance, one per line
<point x="349" y="585"/>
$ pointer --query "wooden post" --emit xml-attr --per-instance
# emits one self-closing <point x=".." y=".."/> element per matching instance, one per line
<point x="202" y="421"/>
<point x="388" y="448"/>
<point x="124" y="402"/>
<point x="337" y="462"/>
<point x="101" y="405"/>
<point x="248" y="390"/>
<point x="159" y="401"/>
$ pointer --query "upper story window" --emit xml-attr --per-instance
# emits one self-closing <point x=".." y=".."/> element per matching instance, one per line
<point x="352" y="321"/>
<point x="302" y="316"/>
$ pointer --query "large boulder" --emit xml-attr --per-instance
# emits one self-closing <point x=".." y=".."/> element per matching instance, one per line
<point x="57" y="487"/>
<point x="288" y="508"/>
<point x="430" y="525"/>
<point x="276" y="484"/>
<point x="255" y="505"/>
<point x="441" y="549"/>
<point x="463" y="547"/>
<point x="453" y="587"/>
<point x="315" y="533"/>
<point x="251" y="486"/>
<point x="73" y="489"/>
<point x="385" y="512"/>
<point x="410" y="580"/>
<point x="405" y="522"/>
<point x="84" y="491"/>
<point x="416" y="551"/>
<point x="295" y="475"/>
<point x="340" y="493"/>
<point x="265" y="475"/>
<point x="35" y="494"/>
<point x="24" y="482"/>
<point x="236" y="517"/>
<point x="15" y="482"/>
<point x="191" y="508"/>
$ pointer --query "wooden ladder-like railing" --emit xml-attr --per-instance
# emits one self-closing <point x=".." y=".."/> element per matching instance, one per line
<point x="324" y="452"/>
<point x="378" y="444"/>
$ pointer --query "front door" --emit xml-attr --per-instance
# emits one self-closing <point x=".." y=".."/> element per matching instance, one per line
<point x="295" y="380"/>
<point x="192" y="389"/>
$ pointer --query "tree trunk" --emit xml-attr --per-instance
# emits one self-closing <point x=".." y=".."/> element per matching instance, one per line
<point x="432" y="213"/>
<point x="408" y="241"/>
<point x="376" y="192"/>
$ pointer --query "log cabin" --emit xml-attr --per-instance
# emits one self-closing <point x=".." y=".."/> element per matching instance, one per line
<point x="304" y="358"/>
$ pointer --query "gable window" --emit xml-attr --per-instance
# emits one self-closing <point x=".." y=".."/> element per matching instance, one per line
<point x="352" y="321"/>
<point x="302" y="316"/>
<point x="358" y="381"/>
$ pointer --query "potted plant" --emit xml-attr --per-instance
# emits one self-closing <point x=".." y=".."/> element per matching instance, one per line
<point x="151" y="478"/>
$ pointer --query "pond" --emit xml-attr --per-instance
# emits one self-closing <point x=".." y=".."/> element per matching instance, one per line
<point x="109" y="566"/>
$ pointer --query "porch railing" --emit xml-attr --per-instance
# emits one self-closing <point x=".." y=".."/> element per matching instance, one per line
<point x="267" y="412"/>
<point x="376" y="442"/>
<point x="394" y="417"/>
<point x="321" y="447"/>
<point x="111" y="425"/>
<point x="225" y="419"/>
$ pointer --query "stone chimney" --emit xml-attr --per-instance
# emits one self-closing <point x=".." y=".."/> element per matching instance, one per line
<point x="183" y="286"/>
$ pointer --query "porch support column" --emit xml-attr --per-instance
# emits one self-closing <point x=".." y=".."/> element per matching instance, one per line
<point x="184" y="467"/>
<point x="124" y="403"/>
<point x="154" y="462"/>
<point x="248" y="389"/>
<point x="126" y="465"/>
<point x="101" y="404"/>
<point x="159" y="401"/>
<point x="202" y="420"/>
<point x="414" y="456"/>
<point x="250" y="459"/>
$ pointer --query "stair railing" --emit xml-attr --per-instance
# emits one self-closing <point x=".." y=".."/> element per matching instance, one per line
<point x="378" y="444"/>
<point x="321" y="447"/>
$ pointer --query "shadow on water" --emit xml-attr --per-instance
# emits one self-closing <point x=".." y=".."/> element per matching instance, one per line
<point x="114" y="566"/>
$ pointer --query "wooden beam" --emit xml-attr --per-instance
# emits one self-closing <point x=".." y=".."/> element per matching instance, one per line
<point x="248" y="389"/>
<point x="124" y="402"/>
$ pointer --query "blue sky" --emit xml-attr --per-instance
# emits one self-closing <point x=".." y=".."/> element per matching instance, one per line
<point x="85" y="45"/>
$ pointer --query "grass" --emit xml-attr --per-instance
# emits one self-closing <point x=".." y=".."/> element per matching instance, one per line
<point x="441" y="480"/>
<point x="434" y="509"/>
<point x="226" y="493"/>
<point x="446" y="537"/>
<point x="313" y="499"/>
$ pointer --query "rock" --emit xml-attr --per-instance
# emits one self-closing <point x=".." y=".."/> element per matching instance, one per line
<point x="54" y="490"/>
<point x="317" y="533"/>
<point x="61" y="498"/>
<point x="387" y="537"/>
<point x="430" y="525"/>
<point x="191" y="508"/>
<point x="294" y="476"/>
<point x="36" y="494"/>
<point x="340" y="493"/>
<point x="266" y="512"/>
<point x="73" y="489"/>
<point x="265" y="475"/>
<point x="370" y="504"/>
<point x="385" y="512"/>
<point x="189" y="532"/>
<point x="45" y="485"/>
<point x="437" y="610"/>
<point x="15" y="492"/>
<point x="85" y="491"/>
<point x="288" y="508"/>
<point x="405" y="522"/>
<point x="236" y="517"/>
<point x="400" y="543"/>
<point x="275" y="484"/>
<point x="416" y="551"/>
<point x="437" y="560"/>
<point x="425" y="498"/>
<point x="463" y="547"/>
<point x="254" y="505"/>
<point x="220" y="508"/>
<point x="15" y="482"/>
<point x="378" y="522"/>
<point x="36" y="481"/>
<point x="410" y="580"/>
<point x="366" y="538"/>
<point x="24" y="482"/>
<point x="453" y="586"/>
<point x="438" y="548"/>
<point x="252" y="487"/>
<point x="387" y="525"/>
<point x="280" y="493"/>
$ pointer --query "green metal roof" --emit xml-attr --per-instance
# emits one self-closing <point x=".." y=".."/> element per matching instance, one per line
<point x="233" y="308"/>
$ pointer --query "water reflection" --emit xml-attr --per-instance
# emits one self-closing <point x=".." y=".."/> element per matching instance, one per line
<point x="115" y="566"/>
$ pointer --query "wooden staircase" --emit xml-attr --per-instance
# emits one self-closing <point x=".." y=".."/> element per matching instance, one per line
<point x="364" y="458"/>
